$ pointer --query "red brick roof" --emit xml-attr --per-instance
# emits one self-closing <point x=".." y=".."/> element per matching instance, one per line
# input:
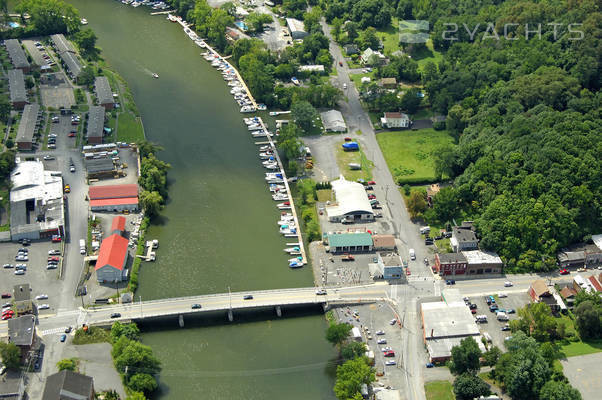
<point x="595" y="283"/>
<point x="393" y="115"/>
<point x="113" y="191"/>
<point x="118" y="224"/>
<point x="113" y="251"/>
<point x="114" y="202"/>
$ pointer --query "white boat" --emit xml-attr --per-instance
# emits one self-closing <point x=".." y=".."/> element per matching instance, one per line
<point x="247" y="109"/>
<point x="172" y="18"/>
<point x="234" y="83"/>
<point x="262" y="107"/>
<point x="265" y="147"/>
<point x="292" y="249"/>
<point x="84" y="21"/>
<point x="268" y="162"/>
<point x="287" y="229"/>
<point x="255" y="127"/>
<point x="271" y="167"/>
<point x="156" y="76"/>
<point x="266" y="156"/>
<point x="295" y="262"/>
<point x="283" y="206"/>
<point x="251" y="120"/>
<point x="279" y="197"/>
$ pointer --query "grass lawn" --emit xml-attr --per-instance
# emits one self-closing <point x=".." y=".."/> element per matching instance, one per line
<point x="129" y="128"/>
<point x="581" y="348"/>
<point x="344" y="158"/>
<point x="409" y="154"/>
<point x="94" y="335"/>
<point x="324" y="195"/>
<point x="357" y="79"/>
<point x="439" y="390"/>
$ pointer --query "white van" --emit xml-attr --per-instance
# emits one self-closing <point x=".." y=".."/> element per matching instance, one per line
<point x="82" y="246"/>
<point x="501" y="316"/>
<point x="412" y="254"/>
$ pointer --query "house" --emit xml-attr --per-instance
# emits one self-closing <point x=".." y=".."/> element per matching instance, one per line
<point x="388" y="83"/>
<point x="66" y="52"/>
<point x="351" y="49"/>
<point x="581" y="283"/>
<point x="28" y="126"/>
<point x="463" y="238"/>
<point x="539" y="291"/>
<point x="390" y="266"/>
<point x="112" y="259"/>
<point x="349" y="242"/>
<point x="22" y="299"/>
<point x="333" y="121"/>
<point x="595" y="284"/>
<point x="17" y="55"/>
<point x="103" y="91"/>
<point x="480" y="262"/>
<point x="450" y="264"/>
<point x="296" y="28"/>
<point x="22" y="333"/>
<point x="372" y="58"/>
<point x="384" y="242"/>
<point x="568" y="294"/>
<point x="582" y="255"/>
<point x="96" y="124"/>
<point x="16" y="84"/>
<point x="68" y="385"/>
<point x="114" y="198"/>
<point x="395" y="120"/>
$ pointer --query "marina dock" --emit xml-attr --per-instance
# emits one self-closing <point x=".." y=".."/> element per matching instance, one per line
<point x="202" y="44"/>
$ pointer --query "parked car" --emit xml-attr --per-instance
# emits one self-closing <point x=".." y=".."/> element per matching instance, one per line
<point x="54" y="252"/>
<point x="43" y="307"/>
<point x="564" y="271"/>
<point x="63" y="337"/>
<point x="56" y="239"/>
<point x="7" y="266"/>
<point x="321" y="292"/>
<point x="430" y="365"/>
<point x="507" y="284"/>
<point x="67" y="189"/>
<point x="6" y="317"/>
<point x="41" y="297"/>
<point x="450" y="282"/>
<point x="505" y="328"/>
<point x="71" y="134"/>
<point x="473" y="306"/>
<point x="380" y="332"/>
<point x="389" y="353"/>
<point x="502" y="295"/>
<point x="51" y="266"/>
<point x="381" y="341"/>
<point x="53" y="258"/>
<point x="20" y="272"/>
<point x="68" y="329"/>
<point x="510" y="311"/>
<point x="393" y="321"/>
<point x="6" y="295"/>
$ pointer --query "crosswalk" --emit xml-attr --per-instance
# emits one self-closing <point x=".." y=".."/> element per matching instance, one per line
<point x="53" y="331"/>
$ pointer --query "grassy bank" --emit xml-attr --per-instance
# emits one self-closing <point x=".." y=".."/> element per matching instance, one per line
<point x="94" y="335"/>
<point x="344" y="158"/>
<point x="409" y="154"/>
<point x="133" y="284"/>
<point x="439" y="390"/>
<point x="129" y="128"/>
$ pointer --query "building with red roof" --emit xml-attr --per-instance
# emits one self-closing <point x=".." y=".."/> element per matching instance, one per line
<point x="112" y="259"/>
<point x="118" y="225"/>
<point x="114" y="198"/>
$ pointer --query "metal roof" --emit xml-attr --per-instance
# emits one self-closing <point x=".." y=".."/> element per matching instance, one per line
<point x="113" y="252"/>
<point x="99" y="165"/>
<point x="68" y="384"/>
<point x="16" y="53"/>
<point x="442" y="320"/>
<point x="27" y="126"/>
<point x="96" y="122"/>
<point x="333" y="121"/>
<point x="103" y="90"/>
<point x="112" y="191"/>
<point x="349" y="239"/>
<point x="16" y="82"/>
<point x="351" y="198"/>
<point x="295" y="25"/>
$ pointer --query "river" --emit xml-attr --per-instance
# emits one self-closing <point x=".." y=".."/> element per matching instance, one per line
<point x="219" y="228"/>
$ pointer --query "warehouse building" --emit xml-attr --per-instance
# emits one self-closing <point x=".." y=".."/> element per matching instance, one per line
<point x="16" y="84"/>
<point x="296" y="28"/>
<point x="113" y="255"/>
<point x="104" y="94"/>
<point x="360" y="242"/>
<point x="445" y="324"/>
<point x="352" y="202"/>
<point x="96" y="167"/>
<point x="96" y="124"/>
<point x="114" y="198"/>
<point x="28" y="126"/>
<point x="333" y="121"/>
<point x="36" y="202"/>
<point x="17" y="55"/>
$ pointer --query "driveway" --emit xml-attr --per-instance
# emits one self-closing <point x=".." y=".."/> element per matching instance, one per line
<point x="323" y="152"/>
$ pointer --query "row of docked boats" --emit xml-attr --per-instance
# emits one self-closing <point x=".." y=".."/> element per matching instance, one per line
<point x="155" y="5"/>
<point x="258" y="129"/>
<point x="237" y="89"/>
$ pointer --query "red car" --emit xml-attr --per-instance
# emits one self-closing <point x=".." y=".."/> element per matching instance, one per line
<point x="5" y="295"/>
<point x="408" y="271"/>
<point x="348" y="139"/>
<point x="8" y="312"/>
<point x="71" y="134"/>
<point x="564" y="272"/>
<point x="371" y="196"/>
<point x="341" y="63"/>
<point x="389" y="353"/>
<point x="56" y="239"/>
<point x="53" y="258"/>
<point x="5" y="317"/>
<point x="371" y="183"/>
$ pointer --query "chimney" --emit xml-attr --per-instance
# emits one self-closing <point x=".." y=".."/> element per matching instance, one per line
<point x="432" y="332"/>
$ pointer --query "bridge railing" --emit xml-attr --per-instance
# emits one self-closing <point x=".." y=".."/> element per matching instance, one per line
<point x="216" y="295"/>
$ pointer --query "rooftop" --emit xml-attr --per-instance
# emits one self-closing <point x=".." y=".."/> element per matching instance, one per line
<point x="482" y="257"/>
<point x="349" y="239"/>
<point x="333" y="120"/>
<point x="61" y="43"/>
<point x="463" y="235"/>
<point x="16" y="83"/>
<point x="384" y="241"/>
<point x="442" y="320"/>
<point x="351" y="197"/>
<point x="72" y="63"/>
<point x="16" y="53"/>
<point x="388" y="81"/>
<point x="28" y="124"/>
<point x="99" y="165"/>
<point x="451" y="258"/>
<point x="118" y="223"/>
<point x="22" y="330"/>
<point x="392" y="260"/>
<point x="68" y="385"/>
<point x="540" y="288"/>
<point x="96" y="122"/>
<point x="112" y="191"/>
<point x="22" y="292"/>
<point x="396" y="115"/>
<point x="295" y="25"/>
<point x="103" y="90"/>
<point x="113" y="251"/>
<point x="568" y="292"/>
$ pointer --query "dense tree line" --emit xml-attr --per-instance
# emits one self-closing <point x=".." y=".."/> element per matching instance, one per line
<point x="46" y="17"/>
<point x="153" y="179"/>
<point x="526" y="114"/>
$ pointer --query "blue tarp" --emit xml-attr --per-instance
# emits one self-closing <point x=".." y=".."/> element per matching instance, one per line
<point x="351" y="146"/>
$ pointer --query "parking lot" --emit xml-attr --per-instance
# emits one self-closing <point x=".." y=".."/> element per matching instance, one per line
<point x="62" y="129"/>
<point x="40" y="279"/>
<point x="56" y="92"/>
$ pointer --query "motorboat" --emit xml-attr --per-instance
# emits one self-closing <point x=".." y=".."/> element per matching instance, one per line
<point x="262" y="107"/>
<point x="265" y="147"/>
<point x="247" y="109"/>
<point x="271" y="166"/>
<point x="254" y="127"/>
<point x="155" y="75"/>
<point x="266" y="156"/>
<point x="292" y="249"/>
<point x="268" y="162"/>
<point x="251" y="120"/>
<point x="288" y="230"/>
<point x="295" y="262"/>
<point x="279" y="197"/>
<point x="84" y="21"/>
<point x="171" y="18"/>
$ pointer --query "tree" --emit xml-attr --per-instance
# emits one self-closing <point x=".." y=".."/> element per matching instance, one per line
<point x="337" y="23"/>
<point x="465" y="357"/>
<point x="29" y="83"/>
<point x="554" y="390"/>
<point x="256" y="21"/>
<point x="304" y="115"/>
<point x="536" y="320"/>
<point x="68" y="364"/>
<point x="369" y="39"/>
<point x="136" y="396"/>
<point x="5" y="107"/>
<point x="338" y="333"/>
<point x="350" y="377"/>
<point x="152" y="202"/>
<point x="351" y="29"/>
<point x="353" y="350"/>
<point x="138" y="359"/>
<point x="589" y="320"/>
<point x="416" y="204"/>
<point x="143" y="383"/>
<point x="216" y="27"/>
<point x="50" y="16"/>
<point x="410" y="101"/>
<point x="146" y="148"/>
<point x="130" y="331"/>
<point x="469" y="387"/>
<point x="492" y="355"/>
<point x="11" y="355"/>
<point x="446" y="204"/>
<point x="87" y="76"/>
<point x="86" y="40"/>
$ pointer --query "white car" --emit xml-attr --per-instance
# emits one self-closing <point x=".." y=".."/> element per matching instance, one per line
<point x="393" y="321"/>
<point x="51" y="266"/>
<point x="48" y="158"/>
<point x="43" y="307"/>
<point x="54" y="135"/>
<point x="54" y="252"/>
<point x="344" y="86"/>
<point x="507" y="284"/>
<point x="502" y="295"/>
<point x="72" y="168"/>
<point x="20" y="272"/>
<point x="381" y="341"/>
<point x="41" y="297"/>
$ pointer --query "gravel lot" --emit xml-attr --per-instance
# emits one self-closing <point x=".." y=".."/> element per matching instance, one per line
<point x="583" y="373"/>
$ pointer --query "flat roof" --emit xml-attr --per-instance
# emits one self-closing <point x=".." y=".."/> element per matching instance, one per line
<point x="482" y="257"/>
<point x="114" y="202"/>
<point x="21" y="330"/>
<point x="16" y="83"/>
<point x="96" y="122"/>
<point x="464" y="235"/>
<point x="351" y="198"/>
<point x="16" y="53"/>
<point x="451" y="258"/>
<point x="391" y="261"/>
<point x="22" y="292"/>
<point x="27" y="126"/>
<point x="349" y="239"/>
<point x="443" y="320"/>
<point x="103" y="90"/>
<point x="441" y="348"/>
<point x="597" y="239"/>
<point x="384" y="241"/>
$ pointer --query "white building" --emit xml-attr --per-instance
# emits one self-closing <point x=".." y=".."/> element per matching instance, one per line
<point x="395" y="120"/>
<point x="352" y="202"/>
<point x="372" y="57"/>
<point x="36" y="201"/>
<point x="311" y="68"/>
<point x="296" y="28"/>
<point x="333" y="121"/>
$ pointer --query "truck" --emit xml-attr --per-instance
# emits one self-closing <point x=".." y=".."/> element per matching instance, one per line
<point x="357" y="335"/>
<point x="501" y="316"/>
<point x="82" y="246"/>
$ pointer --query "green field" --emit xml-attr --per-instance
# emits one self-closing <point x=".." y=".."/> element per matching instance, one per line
<point x="409" y="154"/>
<point x="581" y="348"/>
<point x="439" y="390"/>
<point x="357" y="157"/>
<point x="129" y="128"/>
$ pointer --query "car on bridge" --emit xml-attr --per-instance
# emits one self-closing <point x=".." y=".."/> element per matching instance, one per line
<point x="248" y="297"/>
<point x="195" y="306"/>
<point x="115" y="315"/>
<point x="321" y="292"/>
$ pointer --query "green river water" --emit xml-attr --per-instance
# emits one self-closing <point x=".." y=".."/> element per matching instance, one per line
<point x="219" y="227"/>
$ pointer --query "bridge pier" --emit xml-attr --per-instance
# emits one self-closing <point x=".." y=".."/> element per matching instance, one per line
<point x="279" y="311"/>
<point x="230" y="316"/>
<point x="181" y="320"/>
<point x="325" y="307"/>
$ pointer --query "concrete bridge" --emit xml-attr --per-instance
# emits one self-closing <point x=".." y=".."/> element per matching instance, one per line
<point x="228" y="304"/>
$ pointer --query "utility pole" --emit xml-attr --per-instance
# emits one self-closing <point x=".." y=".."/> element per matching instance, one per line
<point x="230" y="297"/>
